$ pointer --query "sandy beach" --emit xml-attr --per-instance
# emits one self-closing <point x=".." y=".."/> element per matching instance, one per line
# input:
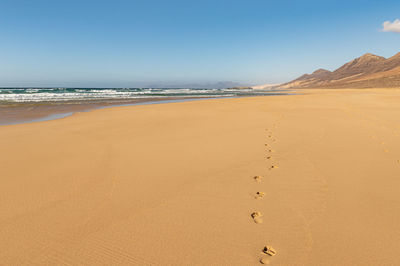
<point x="174" y="184"/>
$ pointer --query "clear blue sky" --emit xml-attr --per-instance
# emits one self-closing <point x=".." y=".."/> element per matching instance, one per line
<point x="131" y="43"/>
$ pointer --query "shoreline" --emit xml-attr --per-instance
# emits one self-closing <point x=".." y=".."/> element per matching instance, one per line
<point x="38" y="112"/>
<point x="22" y="113"/>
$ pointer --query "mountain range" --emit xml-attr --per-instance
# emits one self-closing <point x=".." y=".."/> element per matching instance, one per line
<point x="367" y="71"/>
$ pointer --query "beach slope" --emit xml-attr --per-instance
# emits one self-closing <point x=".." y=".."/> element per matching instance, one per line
<point x="174" y="184"/>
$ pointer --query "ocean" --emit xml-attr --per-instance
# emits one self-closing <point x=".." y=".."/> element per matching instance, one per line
<point x="22" y="105"/>
<point x="32" y="95"/>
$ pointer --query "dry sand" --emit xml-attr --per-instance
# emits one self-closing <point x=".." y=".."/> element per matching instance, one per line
<point x="173" y="184"/>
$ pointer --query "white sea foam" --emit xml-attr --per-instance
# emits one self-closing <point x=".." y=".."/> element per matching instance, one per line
<point x="70" y="94"/>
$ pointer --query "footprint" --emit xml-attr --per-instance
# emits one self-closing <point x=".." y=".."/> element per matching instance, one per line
<point x="257" y="178"/>
<point x="257" y="217"/>
<point x="273" y="167"/>
<point x="258" y="220"/>
<point x="264" y="260"/>
<point x="259" y="195"/>
<point x="268" y="157"/>
<point x="271" y="151"/>
<point x="269" y="251"/>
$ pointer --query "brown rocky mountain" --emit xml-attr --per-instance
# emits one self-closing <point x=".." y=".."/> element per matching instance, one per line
<point x="366" y="71"/>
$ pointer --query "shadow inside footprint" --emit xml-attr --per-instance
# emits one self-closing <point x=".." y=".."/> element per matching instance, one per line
<point x="257" y="217"/>
<point x="269" y="250"/>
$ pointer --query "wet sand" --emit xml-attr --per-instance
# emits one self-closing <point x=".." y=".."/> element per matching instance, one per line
<point x="25" y="112"/>
<point x="309" y="179"/>
<point x="17" y="113"/>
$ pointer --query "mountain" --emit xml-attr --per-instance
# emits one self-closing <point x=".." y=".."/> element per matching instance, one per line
<point x="366" y="71"/>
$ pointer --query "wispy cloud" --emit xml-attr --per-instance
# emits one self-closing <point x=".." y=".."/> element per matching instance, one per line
<point x="392" y="26"/>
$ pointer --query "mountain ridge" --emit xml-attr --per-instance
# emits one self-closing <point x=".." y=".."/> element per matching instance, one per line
<point x="366" y="71"/>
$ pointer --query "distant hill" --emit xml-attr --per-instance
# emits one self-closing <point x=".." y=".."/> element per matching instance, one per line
<point x="256" y="87"/>
<point x="367" y="71"/>
<point x="215" y="85"/>
<point x="265" y="86"/>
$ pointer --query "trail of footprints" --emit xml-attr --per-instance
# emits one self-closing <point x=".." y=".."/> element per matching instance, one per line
<point x="384" y="145"/>
<point x="267" y="251"/>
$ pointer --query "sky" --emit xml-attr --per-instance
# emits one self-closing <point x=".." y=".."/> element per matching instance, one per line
<point x="140" y="43"/>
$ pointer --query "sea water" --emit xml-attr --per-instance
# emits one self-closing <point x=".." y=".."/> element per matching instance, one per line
<point x="31" y="95"/>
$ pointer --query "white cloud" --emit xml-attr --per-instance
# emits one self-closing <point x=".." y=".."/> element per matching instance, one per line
<point x="392" y="26"/>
